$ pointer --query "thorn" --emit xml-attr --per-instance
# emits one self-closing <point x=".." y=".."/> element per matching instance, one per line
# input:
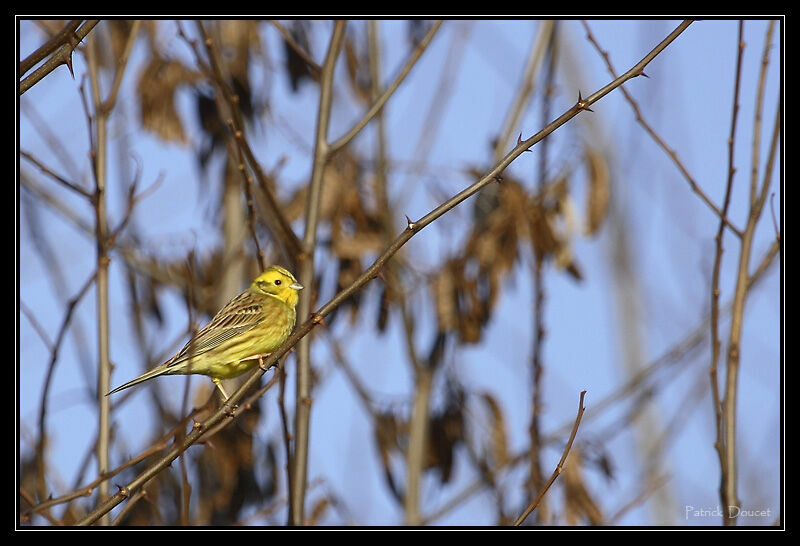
<point x="582" y="104"/>
<point x="641" y="73"/>
<point x="379" y="274"/>
<point x="411" y="225"/>
<point x="68" y="62"/>
<point x="519" y="139"/>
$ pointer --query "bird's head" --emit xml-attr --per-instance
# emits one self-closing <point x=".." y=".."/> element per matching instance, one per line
<point x="278" y="282"/>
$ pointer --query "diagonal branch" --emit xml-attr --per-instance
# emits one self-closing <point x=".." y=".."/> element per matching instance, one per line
<point x="63" y="55"/>
<point x="381" y="100"/>
<point x="48" y="47"/>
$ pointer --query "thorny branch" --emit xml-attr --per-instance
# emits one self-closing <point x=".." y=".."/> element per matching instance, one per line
<point x="63" y="55"/>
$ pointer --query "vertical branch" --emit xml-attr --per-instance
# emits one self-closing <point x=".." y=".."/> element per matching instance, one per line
<point x="729" y="483"/>
<point x="303" y="396"/>
<point x="101" y="229"/>
<point x="417" y="434"/>
<point x="536" y="479"/>
<point x="762" y="80"/>
<point x="99" y="154"/>
<point x="727" y="477"/>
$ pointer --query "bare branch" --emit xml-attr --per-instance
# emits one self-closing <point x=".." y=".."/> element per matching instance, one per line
<point x="379" y="103"/>
<point x="303" y="382"/>
<point x="62" y="56"/>
<point x="559" y="468"/>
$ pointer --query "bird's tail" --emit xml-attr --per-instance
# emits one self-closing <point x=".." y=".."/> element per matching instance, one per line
<point x="155" y="372"/>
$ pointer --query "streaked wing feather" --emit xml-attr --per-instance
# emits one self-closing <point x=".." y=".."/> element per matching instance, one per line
<point x="240" y="315"/>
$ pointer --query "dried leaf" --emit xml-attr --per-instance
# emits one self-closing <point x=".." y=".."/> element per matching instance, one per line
<point x="444" y="293"/>
<point x="156" y="88"/>
<point x="357" y="70"/>
<point x="498" y="438"/>
<point x="298" y="70"/>
<point x="599" y="191"/>
<point x="445" y="432"/>
<point x="580" y="504"/>
<point x="387" y="431"/>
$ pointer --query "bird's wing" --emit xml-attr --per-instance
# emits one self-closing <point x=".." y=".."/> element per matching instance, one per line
<point x="241" y="314"/>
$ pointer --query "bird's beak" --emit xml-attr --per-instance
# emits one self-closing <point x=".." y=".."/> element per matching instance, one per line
<point x="296" y="286"/>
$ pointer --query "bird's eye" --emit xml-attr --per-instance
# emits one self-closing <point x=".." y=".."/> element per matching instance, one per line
<point x="278" y="282"/>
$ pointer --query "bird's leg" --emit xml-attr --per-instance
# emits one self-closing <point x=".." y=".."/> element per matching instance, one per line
<point x="260" y="358"/>
<point x="218" y="383"/>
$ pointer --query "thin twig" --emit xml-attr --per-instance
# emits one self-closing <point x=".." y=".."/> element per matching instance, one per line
<point x="292" y="245"/>
<point x="32" y="500"/>
<point x="648" y="490"/>
<point x="247" y="186"/>
<point x="559" y="468"/>
<point x="287" y="436"/>
<point x="719" y="443"/>
<point x="111" y="99"/>
<point x="88" y="489"/>
<point x="370" y="273"/>
<point x="759" y="104"/>
<point x="41" y="444"/>
<point x="660" y="141"/>
<point x="380" y="101"/>
<point x="58" y="178"/>
<point x="36" y="325"/>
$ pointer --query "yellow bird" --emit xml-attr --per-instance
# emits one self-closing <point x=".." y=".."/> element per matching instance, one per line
<point x="241" y="334"/>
